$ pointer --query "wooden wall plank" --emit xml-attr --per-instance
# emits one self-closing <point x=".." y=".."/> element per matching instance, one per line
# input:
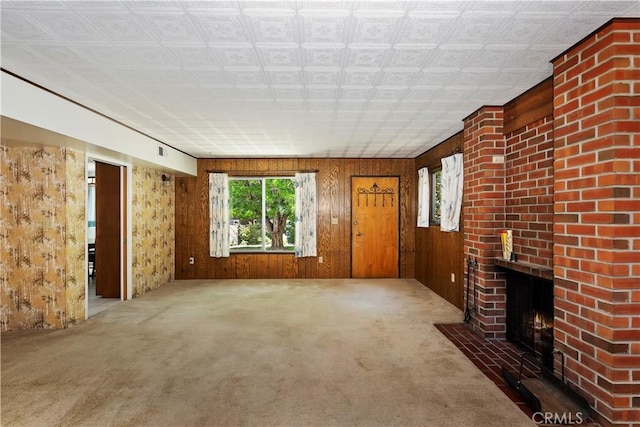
<point x="438" y="254"/>
<point x="201" y="221"/>
<point x="242" y="266"/>
<point x="533" y="105"/>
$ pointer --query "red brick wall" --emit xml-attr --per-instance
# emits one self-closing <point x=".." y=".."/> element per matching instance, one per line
<point x="597" y="218"/>
<point x="483" y="205"/>
<point x="529" y="191"/>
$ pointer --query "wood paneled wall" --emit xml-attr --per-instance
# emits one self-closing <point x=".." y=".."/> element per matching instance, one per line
<point x="334" y="201"/>
<point x="439" y="254"/>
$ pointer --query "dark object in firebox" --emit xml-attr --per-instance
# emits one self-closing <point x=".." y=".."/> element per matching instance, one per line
<point x="546" y="393"/>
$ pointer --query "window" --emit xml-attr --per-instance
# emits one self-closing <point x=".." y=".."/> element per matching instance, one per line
<point x="262" y="214"/>
<point x="436" y="195"/>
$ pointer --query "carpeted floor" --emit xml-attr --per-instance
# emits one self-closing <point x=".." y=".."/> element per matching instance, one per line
<point x="233" y="353"/>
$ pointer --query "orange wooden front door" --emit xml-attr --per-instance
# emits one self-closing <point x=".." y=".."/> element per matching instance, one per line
<point x="374" y="226"/>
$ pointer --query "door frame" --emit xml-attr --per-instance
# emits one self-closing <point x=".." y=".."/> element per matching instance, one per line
<point x="351" y="218"/>
<point x="126" y="189"/>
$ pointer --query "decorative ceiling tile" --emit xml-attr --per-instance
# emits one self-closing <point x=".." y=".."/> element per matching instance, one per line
<point x="36" y="5"/>
<point x="16" y="26"/>
<point x="245" y="76"/>
<point x="359" y="94"/>
<point x="284" y="76"/>
<point x="398" y="77"/>
<point x="410" y="57"/>
<point x="191" y="57"/>
<point x="392" y="93"/>
<point x="273" y="25"/>
<point x="321" y="77"/>
<point x="362" y="56"/>
<point x="112" y="5"/>
<point x="527" y="28"/>
<point x="173" y="27"/>
<point x="456" y="56"/>
<point x="210" y="78"/>
<point x="437" y="76"/>
<point x="324" y="27"/>
<point x="118" y="26"/>
<point x="153" y="56"/>
<point x="20" y="56"/>
<point x="378" y="26"/>
<point x="323" y="55"/>
<point x="360" y="76"/>
<point x="314" y="93"/>
<point x="288" y="93"/>
<point x="280" y="56"/>
<point x="237" y="54"/>
<point x="59" y="54"/>
<point x="225" y="27"/>
<point x="427" y="28"/>
<point x="66" y="26"/>
<point x="315" y="105"/>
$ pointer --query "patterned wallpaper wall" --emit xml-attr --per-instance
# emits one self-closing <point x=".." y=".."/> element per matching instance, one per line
<point x="76" y="230"/>
<point x="42" y="231"/>
<point x="153" y="236"/>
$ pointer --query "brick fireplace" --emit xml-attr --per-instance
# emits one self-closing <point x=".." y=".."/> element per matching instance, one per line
<point x="560" y="166"/>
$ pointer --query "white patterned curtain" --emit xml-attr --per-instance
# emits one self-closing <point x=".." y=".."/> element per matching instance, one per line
<point x="306" y="212"/>
<point x="451" y="204"/>
<point x="423" y="197"/>
<point x="218" y="215"/>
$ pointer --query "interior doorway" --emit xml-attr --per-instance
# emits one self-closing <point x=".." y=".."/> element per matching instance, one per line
<point x="107" y="219"/>
<point x="375" y="227"/>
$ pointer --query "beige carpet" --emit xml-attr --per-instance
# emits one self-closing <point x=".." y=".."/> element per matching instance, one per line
<point x="264" y="353"/>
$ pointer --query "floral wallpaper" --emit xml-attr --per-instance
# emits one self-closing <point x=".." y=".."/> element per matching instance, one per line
<point x="76" y="270"/>
<point x="42" y="232"/>
<point x="153" y="233"/>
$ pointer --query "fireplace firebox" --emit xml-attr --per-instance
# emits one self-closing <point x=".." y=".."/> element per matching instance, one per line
<point x="530" y="315"/>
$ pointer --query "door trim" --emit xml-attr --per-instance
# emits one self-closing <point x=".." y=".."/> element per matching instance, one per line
<point x="126" y="192"/>
<point x="351" y="218"/>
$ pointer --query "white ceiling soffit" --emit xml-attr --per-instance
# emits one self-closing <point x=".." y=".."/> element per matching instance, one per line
<point x="294" y="78"/>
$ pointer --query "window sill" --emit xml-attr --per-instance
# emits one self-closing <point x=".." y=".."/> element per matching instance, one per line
<point x="247" y="252"/>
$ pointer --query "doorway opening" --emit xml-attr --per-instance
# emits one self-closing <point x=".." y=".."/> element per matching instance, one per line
<point x="107" y="234"/>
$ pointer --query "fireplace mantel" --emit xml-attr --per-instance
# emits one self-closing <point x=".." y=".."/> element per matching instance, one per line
<point x="523" y="267"/>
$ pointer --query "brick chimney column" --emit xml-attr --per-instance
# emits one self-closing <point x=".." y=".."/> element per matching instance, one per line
<point x="597" y="218"/>
<point x="484" y="189"/>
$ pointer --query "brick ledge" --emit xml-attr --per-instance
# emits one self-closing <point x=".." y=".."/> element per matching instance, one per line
<point x="526" y="268"/>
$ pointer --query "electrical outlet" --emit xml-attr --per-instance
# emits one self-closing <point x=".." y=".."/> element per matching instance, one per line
<point x="320" y="260"/>
<point x="453" y="277"/>
<point x="192" y="260"/>
<point x="334" y="221"/>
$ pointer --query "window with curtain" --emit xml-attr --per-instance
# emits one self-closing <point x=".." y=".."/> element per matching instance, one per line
<point x="262" y="214"/>
<point x="423" y="197"/>
<point x="451" y="204"/>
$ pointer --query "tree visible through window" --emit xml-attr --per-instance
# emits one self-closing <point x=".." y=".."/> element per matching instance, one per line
<point x="436" y="196"/>
<point x="262" y="214"/>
